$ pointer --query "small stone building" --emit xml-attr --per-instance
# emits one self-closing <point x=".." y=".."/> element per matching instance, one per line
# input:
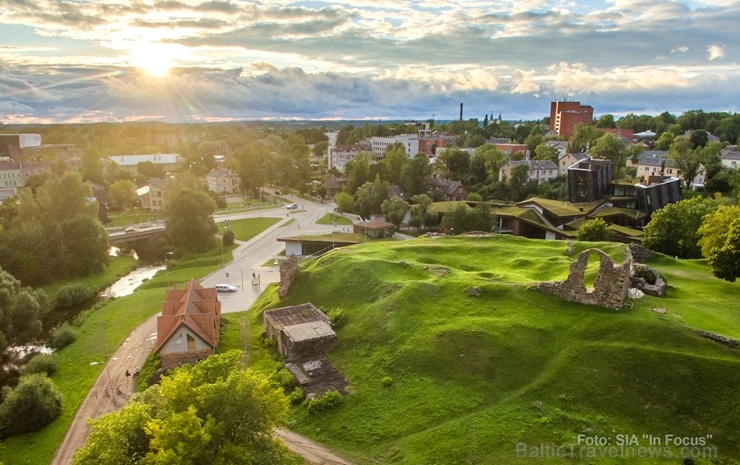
<point x="302" y="332"/>
<point x="188" y="329"/>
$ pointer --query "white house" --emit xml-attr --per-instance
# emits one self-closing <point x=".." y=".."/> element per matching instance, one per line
<point x="539" y="170"/>
<point x="223" y="181"/>
<point x="569" y="159"/>
<point x="731" y="159"/>
<point x="170" y="161"/>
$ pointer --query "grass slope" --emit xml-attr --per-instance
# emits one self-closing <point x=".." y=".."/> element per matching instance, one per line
<point x="474" y="376"/>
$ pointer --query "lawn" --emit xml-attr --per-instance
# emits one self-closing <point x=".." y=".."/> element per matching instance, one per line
<point x="246" y="229"/>
<point x="100" y="332"/>
<point x="331" y="218"/>
<point x="472" y="377"/>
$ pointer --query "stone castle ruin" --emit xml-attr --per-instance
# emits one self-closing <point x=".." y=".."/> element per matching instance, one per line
<point x="610" y="289"/>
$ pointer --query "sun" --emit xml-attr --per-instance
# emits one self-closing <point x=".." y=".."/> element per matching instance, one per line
<point x="153" y="59"/>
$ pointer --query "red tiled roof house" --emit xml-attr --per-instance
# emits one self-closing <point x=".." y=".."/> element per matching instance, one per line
<point x="188" y="328"/>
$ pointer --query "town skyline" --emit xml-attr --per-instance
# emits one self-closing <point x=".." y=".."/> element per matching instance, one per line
<point x="192" y="61"/>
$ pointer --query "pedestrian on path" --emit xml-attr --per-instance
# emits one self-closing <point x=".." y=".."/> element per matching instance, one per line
<point x="128" y="374"/>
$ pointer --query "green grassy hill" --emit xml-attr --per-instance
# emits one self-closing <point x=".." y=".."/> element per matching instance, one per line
<point x="474" y="376"/>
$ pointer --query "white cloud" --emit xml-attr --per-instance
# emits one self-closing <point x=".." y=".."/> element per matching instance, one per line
<point x="683" y="49"/>
<point x="715" y="51"/>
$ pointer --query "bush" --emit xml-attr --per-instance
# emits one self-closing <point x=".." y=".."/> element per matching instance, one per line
<point x="330" y="400"/>
<point x="338" y="317"/>
<point x="33" y="404"/>
<point x="228" y="238"/>
<point x="74" y="294"/>
<point x="42" y="363"/>
<point x="387" y="381"/>
<point x="645" y="272"/>
<point x="62" y="336"/>
<point x="284" y="378"/>
<point x="297" y="396"/>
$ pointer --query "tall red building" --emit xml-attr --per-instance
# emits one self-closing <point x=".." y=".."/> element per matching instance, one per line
<point x="564" y="116"/>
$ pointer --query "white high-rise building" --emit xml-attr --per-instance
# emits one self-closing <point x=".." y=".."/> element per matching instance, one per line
<point x="410" y="143"/>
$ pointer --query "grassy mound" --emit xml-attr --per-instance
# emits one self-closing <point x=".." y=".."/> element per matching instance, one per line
<point x="472" y="377"/>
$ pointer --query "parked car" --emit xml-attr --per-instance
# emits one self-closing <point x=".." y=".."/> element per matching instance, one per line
<point x="225" y="288"/>
<point x="131" y="229"/>
<point x="292" y="206"/>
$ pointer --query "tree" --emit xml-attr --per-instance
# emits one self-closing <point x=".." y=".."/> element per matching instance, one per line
<point x="148" y="170"/>
<point x="189" y="223"/>
<point x="685" y="159"/>
<point x="664" y="141"/>
<point x="486" y="162"/>
<point x="453" y="163"/>
<point x="370" y="197"/>
<point x="594" y="230"/>
<point x="673" y="230"/>
<point x="320" y="148"/>
<point x="699" y="138"/>
<point x="123" y="193"/>
<point x="21" y="311"/>
<point x="415" y="174"/>
<point x="394" y="159"/>
<point x="545" y="152"/>
<point x="212" y="412"/>
<point x="321" y="192"/>
<point x="583" y="138"/>
<point x="61" y="198"/>
<point x="609" y="146"/>
<point x="85" y="245"/>
<point x="358" y="171"/>
<point x="395" y="210"/>
<point x="720" y="242"/>
<point x="31" y="405"/>
<point x="463" y="218"/>
<point x="605" y="121"/>
<point x="345" y="202"/>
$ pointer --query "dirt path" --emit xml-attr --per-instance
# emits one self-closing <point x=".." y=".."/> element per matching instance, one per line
<point x="112" y="390"/>
<point x="309" y="450"/>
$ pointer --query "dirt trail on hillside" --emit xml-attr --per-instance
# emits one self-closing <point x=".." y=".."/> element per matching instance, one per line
<point x="112" y="390"/>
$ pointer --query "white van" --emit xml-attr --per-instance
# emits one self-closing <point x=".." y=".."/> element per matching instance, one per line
<point x="225" y="288"/>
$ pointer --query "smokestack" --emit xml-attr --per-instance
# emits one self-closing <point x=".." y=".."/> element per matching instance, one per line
<point x="461" y="106"/>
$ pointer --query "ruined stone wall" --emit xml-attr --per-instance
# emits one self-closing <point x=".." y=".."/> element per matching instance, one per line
<point x="610" y="288"/>
<point x="640" y="253"/>
<point x="288" y="270"/>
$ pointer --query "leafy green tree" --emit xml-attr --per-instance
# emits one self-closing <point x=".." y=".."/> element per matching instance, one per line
<point x="395" y="159"/>
<point x="664" y="141"/>
<point x="212" y="412"/>
<point x="464" y="219"/>
<point x="320" y="148"/>
<point x="85" y="245"/>
<point x="685" y="159"/>
<point x="453" y="163"/>
<point x="609" y="146"/>
<point x="673" y="230"/>
<point x="370" y="197"/>
<point x="583" y="138"/>
<point x="148" y="170"/>
<point x="486" y="162"/>
<point x="31" y="405"/>
<point x="545" y="152"/>
<point x="123" y="193"/>
<point x="345" y="202"/>
<point x="395" y="210"/>
<point x="358" y="171"/>
<point x="61" y="198"/>
<point x="594" y="231"/>
<point x="533" y="140"/>
<point x="189" y="223"/>
<point x="415" y="174"/>
<point x="699" y="138"/>
<point x="605" y="121"/>
<point x="21" y="311"/>
<point x="720" y="242"/>
<point x="321" y="192"/>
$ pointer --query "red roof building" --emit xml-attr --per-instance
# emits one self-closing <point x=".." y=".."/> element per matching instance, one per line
<point x="188" y="329"/>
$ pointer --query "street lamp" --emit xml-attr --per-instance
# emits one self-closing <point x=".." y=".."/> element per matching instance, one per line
<point x="166" y="267"/>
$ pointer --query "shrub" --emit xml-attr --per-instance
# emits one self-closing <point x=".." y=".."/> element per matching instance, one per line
<point x="284" y="378"/>
<point x="42" y="363"/>
<point x="645" y="272"/>
<point x="228" y="238"/>
<point x="329" y="400"/>
<point x="74" y="294"/>
<point x="387" y="381"/>
<point x="62" y="336"/>
<point x="338" y="317"/>
<point x="33" y="404"/>
<point x="297" y="396"/>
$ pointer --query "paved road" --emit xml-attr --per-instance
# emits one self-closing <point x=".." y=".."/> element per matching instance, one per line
<point x="112" y="388"/>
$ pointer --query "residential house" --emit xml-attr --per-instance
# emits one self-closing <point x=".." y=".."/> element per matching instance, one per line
<point x="188" y="328"/>
<point x="410" y="143"/>
<point x="625" y="135"/>
<point x="731" y="159"/>
<point x="560" y="145"/>
<point x="334" y="186"/>
<point x="145" y="200"/>
<point x="436" y="140"/>
<point x="302" y="332"/>
<point x="539" y="170"/>
<point x="653" y="166"/>
<point x="223" y="181"/>
<point x="8" y="193"/>
<point x="567" y="160"/>
<point x="12" y="145"/>
<point x="451" y="190"/>
<point x="159" y="194"/>
<point x="169" y="161"/>
<point x="510" y="149"/>
<point x="339" y="155"/>
<point x="34" y="168"/>
<point x="10" y="174"/>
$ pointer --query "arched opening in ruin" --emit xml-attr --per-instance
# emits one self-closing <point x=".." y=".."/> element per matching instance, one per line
<point x="591" y="272"/>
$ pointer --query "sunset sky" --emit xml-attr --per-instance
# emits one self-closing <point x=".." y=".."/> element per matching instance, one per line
<point x="189" y="61"/>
